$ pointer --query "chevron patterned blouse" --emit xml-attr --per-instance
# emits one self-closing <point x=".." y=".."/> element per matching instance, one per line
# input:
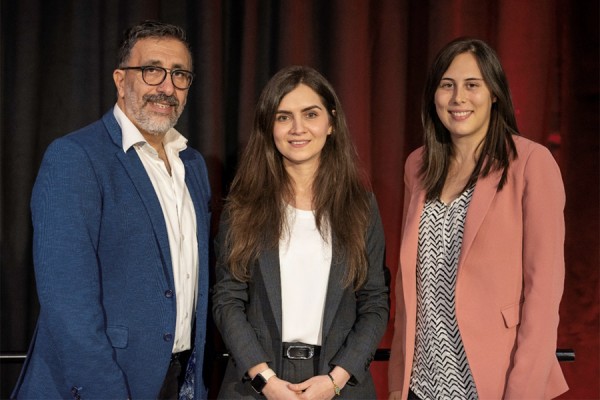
<point x="440" y="366"/>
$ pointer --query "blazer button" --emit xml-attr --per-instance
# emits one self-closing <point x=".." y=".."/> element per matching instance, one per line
<point x="167" y="337"/>
<point x="168" y="294"/>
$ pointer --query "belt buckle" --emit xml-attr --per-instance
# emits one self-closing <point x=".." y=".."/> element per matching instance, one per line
<point x="309" y="349"/>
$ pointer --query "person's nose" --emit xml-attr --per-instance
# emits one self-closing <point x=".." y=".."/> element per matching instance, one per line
<point x="167" y="86"/>
<point x="297" y="126"/>
<point x="459" y="95"/>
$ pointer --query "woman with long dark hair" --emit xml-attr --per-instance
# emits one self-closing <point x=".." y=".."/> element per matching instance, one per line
<point x="481" y="262"/>
<point x="300" y="297"/>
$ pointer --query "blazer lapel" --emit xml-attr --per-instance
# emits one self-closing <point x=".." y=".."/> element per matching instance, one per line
<point x="269" y="268"/>
<point x="201" y="207"/>
<point x="335" y="290"/>
<point x="139" y="177"/>
<point x="409" y="250"/>
<point x="203" y="217"/>
<point x="483" y="195"/>
<point x="137" y="173"/>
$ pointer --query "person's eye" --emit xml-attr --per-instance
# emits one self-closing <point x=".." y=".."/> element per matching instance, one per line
<point x="179" y="74"/>
<point x="472" y="85"/>
<point x="152" y="70"/>
<point x="312" y="114"/>
<point x="282" y="118"/>
<point x="446" y="85"/>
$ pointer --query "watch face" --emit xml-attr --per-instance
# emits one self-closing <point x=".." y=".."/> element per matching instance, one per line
<point x="258" y="383"/>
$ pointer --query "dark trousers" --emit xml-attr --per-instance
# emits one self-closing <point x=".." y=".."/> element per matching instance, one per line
<point x="175" y="376"/>
<point x="296" y="371"/>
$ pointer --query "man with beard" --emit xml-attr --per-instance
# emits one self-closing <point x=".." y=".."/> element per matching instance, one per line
<point x="121" y="222"/>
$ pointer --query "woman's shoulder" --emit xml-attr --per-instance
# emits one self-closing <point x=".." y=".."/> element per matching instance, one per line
<point x="529" y="151"/>
<point x="536" y="165"/>
<point x="415" y="156"/>
<point x="413" y="162"/>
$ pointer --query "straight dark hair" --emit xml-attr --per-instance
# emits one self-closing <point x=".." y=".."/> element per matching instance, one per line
<point x="256" y="203"/>
<point x="498" y="148"/>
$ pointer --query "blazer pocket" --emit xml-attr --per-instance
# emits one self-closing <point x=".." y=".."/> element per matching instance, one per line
<point x="118" y="336"/>
<point x="512" y="315"/>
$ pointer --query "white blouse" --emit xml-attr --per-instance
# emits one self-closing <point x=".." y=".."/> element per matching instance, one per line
<point x="305" y="261"/>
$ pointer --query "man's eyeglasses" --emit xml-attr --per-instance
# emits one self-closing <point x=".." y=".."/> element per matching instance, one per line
<point x="154" y="76"/>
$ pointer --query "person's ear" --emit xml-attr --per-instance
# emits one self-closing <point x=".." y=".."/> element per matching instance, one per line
<point x="119" y="78"/>
<point x="330" y="131"/>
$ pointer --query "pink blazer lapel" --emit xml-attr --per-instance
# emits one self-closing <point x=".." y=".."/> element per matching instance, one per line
<point x="485" y="191"/>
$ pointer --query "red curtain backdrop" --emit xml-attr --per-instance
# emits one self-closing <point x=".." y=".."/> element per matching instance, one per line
<point x="58" y="56"/>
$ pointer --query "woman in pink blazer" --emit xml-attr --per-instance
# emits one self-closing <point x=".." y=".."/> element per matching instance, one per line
<point x="481" y="260"/>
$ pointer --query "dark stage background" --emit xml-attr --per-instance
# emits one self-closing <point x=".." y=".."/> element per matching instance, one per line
<point x="57" y="58"/>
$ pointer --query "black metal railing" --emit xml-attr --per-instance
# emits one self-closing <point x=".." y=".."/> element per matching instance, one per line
<point x="563" y="355"/>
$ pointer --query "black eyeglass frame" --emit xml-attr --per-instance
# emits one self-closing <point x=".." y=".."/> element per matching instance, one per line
<point x="170" y="71"/>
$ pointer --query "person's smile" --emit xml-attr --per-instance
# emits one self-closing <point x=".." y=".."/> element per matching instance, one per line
<point x="460" y="115"/>
<point x="297" y="143"/>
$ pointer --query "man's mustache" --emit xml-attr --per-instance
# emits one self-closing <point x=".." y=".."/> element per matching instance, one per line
<point x="161" y="98"/>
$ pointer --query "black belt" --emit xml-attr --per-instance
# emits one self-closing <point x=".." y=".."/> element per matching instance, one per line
<point x="300" y="351"/>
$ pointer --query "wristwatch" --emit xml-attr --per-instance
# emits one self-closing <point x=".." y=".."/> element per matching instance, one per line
<point x="260" y="380"/>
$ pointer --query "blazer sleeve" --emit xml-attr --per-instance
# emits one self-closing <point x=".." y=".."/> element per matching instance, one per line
<point x="543" y="276"/>
<point x="372" y="307"/>
<point x="230" y="298"/>
<point x="66" y="207"/>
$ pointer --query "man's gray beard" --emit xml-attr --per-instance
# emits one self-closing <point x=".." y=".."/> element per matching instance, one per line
<point x="155" y="126"/>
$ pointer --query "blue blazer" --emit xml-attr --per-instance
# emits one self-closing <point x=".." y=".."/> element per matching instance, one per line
<point x="103" y="271"/>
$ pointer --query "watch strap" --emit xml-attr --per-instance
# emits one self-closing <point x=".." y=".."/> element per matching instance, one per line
<point x="268" y="374"/>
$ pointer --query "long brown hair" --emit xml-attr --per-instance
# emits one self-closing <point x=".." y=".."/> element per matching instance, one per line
<point x="498" y="147"/>
<point x="255" y="206"/>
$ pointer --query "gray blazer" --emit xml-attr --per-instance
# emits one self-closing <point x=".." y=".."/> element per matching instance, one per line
<point x="248" y="315"/>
